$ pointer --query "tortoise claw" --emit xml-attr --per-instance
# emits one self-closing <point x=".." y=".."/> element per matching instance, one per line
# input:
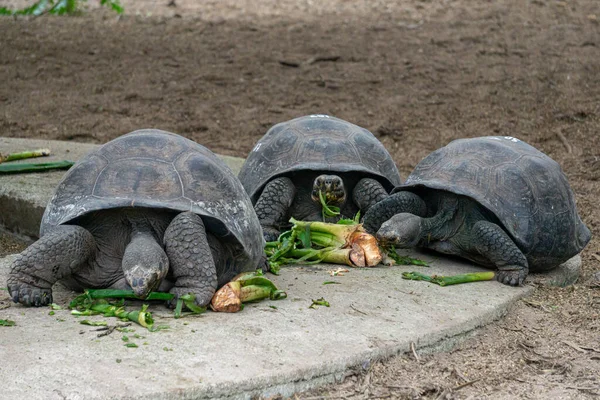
<point x="29" y="295"/>
<point x="511" y="277"/>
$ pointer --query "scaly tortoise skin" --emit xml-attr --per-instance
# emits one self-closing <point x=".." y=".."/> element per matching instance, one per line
<point x="295" y="159"/>
<point x="148" y="210"/>
<point x="494" y="200"/>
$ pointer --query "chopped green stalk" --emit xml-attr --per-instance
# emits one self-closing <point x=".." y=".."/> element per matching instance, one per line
<point x="131" y="344"/>
<point x="331" y="283"/>
<point x="245" y="287"/>
<point x="24" y="154"/>
<point x="328" y="255"/>
<point x="450" y="280"/>
<point x="341" y="232"/>
<point x="403" y="260"/>
<point x="254" y="292"/>
<point x="319" y="302"/>
<point x="323" y="239"/>
<point x="39" y="167"/>
<point x="7" y="322"/>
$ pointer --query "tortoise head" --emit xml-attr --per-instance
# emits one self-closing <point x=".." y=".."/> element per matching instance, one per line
<point x="144" y="264"/>
<point x="333" y="189"/>
<point x="402" y="230"/>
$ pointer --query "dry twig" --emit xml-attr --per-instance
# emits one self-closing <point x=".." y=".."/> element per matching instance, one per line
<point x="414" y="352"/>
<point x="564" y="141"/>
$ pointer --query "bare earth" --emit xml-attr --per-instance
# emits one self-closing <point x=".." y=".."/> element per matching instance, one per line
<point x="417" y="73"/>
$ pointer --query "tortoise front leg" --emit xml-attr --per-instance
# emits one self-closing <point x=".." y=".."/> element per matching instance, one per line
<point x="273" y="206"/>
<point x="489" y="240"/>
<point x="56" y="255"/>
<point x="368" y="192"/>
<point x="190" y="259"/>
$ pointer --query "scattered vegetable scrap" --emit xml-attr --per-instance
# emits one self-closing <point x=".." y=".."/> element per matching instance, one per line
<point x="30" y="167"/>
<point x="7" y="322"/>
<point x="450" y="280"/>
<point x="403" y="260"/>
<point x="338" y="271"/>
<point x="244" y="288"/>
<point x="319" y="302"/>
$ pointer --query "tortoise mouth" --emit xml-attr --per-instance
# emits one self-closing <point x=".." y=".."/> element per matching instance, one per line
<point x="332" y="189"/>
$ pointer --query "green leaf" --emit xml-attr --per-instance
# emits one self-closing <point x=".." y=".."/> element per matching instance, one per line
<point x="34" y="167"/>
<point x="7" y="322"/>
<point x="55" y="306"/>
<point x="327" y="210"/>
<point x="131" y="345"/>
<point x="331" y="283"/>
<point x="319" y="302"/>
<point x="125" y="338"/>
<point x="113" y="4"/>
<point x="403" y="260"/>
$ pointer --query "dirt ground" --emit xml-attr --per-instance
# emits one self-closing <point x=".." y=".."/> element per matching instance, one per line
<point x="417" y="73"/>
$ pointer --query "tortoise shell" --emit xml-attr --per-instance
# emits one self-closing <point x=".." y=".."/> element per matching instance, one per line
<point x="317" y="143"/>
<point x="157" y="169"/>
<point x="524" y="188"/>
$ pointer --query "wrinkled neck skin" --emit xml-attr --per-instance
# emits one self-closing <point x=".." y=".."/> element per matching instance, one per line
<point x="223" y="257"/>
<point x="145" y="263"/>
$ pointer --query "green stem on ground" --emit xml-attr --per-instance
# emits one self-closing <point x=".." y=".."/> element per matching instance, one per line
<point x="24" y="154"/>
<point x="450" y="280"/>
<point x="38" y="167"/>
<point x="94" y="297"/>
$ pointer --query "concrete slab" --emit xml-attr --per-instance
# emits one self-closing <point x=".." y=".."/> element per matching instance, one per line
<point x="269" y="348"/>
<point x="262" y="350"/>
<point x="23" y="197"/>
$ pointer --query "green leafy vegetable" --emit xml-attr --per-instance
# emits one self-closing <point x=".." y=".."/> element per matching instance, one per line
<point x="403" y="260"/>
<point x="59" y="7"/>
<point x="7" y="322"/>
<point x="327" y="211"/>
<point x="319" y="302"/>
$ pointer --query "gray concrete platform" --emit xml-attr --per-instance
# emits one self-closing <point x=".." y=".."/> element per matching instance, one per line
<point x="261" y="350"/>
<point x="269" y="348"/>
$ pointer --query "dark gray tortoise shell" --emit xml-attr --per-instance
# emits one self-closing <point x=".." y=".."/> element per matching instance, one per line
<point x="526" y="190"/>
<point x="317" y="143"/>
<point x="158" y="169"/>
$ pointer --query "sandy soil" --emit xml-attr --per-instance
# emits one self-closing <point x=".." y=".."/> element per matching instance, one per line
<point x="417" y="73"/>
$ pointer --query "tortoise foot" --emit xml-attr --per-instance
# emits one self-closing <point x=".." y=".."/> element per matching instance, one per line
<point x="28" y="295"/>
<point x="511" y="277"/>
<point x="270" y="234"/>
<point x="203" y="295"/>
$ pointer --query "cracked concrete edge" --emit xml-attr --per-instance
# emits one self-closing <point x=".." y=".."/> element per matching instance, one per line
<point x="306" y="379"/>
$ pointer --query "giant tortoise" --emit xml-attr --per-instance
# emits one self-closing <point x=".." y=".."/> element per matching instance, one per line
<point x="148" y="210"/>
<point x="494" y="200"/>
<point x="296" y="159"/>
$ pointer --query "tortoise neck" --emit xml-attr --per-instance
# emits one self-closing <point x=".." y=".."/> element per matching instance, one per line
<point x="440" y="226"/>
